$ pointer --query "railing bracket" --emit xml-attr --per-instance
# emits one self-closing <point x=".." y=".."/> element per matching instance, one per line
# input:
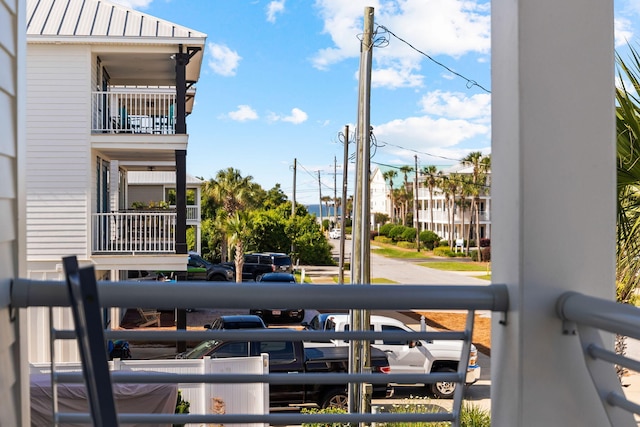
<point x="568" y="328"/>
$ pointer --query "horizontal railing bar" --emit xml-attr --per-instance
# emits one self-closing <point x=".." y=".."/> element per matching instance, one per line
<point x="147" y="377"/>
<point x="616" y="399"/>
<point x="269" y="419"/>
<point x="622" y="319"/>
<point x="31" y="293"/>
<point x="611" y="357"/>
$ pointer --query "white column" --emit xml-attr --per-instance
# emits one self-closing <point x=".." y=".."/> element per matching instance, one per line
<point x="553" y="154"/>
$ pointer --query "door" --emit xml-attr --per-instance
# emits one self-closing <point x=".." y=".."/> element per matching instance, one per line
<point x="404" y="358"/>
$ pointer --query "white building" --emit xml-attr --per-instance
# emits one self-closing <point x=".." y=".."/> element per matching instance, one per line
<point x="108" y="92"/>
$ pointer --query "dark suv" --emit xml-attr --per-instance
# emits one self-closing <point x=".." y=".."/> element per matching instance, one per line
<point x="257" y="264"/>
<point x="199" y="268"/>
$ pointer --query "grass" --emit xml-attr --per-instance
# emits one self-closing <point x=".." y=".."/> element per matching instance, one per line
<point x="393" y="252"/>
<point x="378" y="280"/>
<point x="457" y="266"/>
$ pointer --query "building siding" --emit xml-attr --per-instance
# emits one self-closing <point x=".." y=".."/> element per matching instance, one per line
<point x="13" y="403"/>
<point x="59" y="152"/>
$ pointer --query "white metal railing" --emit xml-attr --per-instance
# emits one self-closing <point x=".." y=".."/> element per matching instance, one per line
<point x="133" y="232"/>
<point x="134" y="111"/>
<point x="442" y="217"/>
<point x="29" y="293"/>
<point x="586" y="316"/>
<point x="193" y="212"/>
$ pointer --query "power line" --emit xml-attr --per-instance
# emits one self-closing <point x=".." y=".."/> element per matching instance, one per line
<point x="470" y="83"/>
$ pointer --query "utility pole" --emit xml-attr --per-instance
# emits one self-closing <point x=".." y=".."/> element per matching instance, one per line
<point x="293" y="200"/>
<point x="345" y="168"/>
<point x="415" y="198"/>
<point x="360" y="355"/>
<point x="320" y="198"/>
<point x="335" y="189"/>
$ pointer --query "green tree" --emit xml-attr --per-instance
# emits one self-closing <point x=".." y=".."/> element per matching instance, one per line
<point x="239" y="230"/>
<point x="430" y="182"/>
<point x="388" y="177"/>
<point x="481" y="165"/>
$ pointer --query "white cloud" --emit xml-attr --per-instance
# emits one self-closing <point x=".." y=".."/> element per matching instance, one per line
<point x="222" y="60"/>
<point x="243" y="113"/>
<point x="457" y="105"/>
<point x="437" y="27"/>
<point x="296" y="117"/>
<point x="623" y="30"/>
<point x="274" y="8"/>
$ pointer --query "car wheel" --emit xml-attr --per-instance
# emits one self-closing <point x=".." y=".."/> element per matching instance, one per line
<point x="336" y="398"/>
<point x="443" y="389"/>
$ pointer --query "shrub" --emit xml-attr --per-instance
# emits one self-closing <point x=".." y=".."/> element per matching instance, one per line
<point x="470" y="415"/>
<point x="330" y="410"/>
<point x="384" y="230"/>
<point x="373" y="234"/>
<point x="429" y="239"/>
<point x="396" y="232"/>
<point x="443" y="251"/>
<point x="383" y="239"/>
<point x="182" y="407"/>
<point x="409" y="234"/>
<point x="347" y="230"/>
<point x="486" y="254"/>
<point x="485" y="243"/>
<point x="407" y="245"/>
<point x="443" y="242"/>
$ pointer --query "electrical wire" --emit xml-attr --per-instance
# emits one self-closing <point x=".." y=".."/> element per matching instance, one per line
<point x="470" y="83"/>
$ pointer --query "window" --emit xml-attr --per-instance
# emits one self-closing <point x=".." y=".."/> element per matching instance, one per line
<point x="232" y="349"/>
<point x="393" y="329"/>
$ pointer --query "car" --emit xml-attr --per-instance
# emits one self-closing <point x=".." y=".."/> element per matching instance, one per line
<point x="335" y="233"/>
<point x="199" y="268"/>
<point x="256" y="264"/>
<point x="279" y="314"/>
<point x="236" y="321"/>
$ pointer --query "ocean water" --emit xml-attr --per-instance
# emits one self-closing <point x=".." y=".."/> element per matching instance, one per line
<point x="315" y="210"/>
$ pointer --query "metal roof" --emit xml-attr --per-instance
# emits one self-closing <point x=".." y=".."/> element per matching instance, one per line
<point x="98" y="18"/>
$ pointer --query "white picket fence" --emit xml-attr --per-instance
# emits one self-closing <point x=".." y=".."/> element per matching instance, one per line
<point x="203" y="398"/>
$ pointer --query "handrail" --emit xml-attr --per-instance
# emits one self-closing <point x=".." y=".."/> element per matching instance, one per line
<point x="585" y="316"/>
<point x="34" y="293"/>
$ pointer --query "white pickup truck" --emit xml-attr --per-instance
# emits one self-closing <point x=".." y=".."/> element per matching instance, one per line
<point x="407" y="356"/>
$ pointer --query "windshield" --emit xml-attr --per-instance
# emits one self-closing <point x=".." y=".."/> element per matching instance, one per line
<point x="201" y="349"/>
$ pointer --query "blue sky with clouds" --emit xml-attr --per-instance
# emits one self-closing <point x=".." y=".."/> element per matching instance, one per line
<point x="279" y="82"/>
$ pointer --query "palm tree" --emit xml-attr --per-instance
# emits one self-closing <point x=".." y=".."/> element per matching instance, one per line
<point x="239" y="230"/>
<point x="326" y="200"/>
<point x="388" y="176"/>
<point x="481" y="165"/>
<point x="430" y="181"/>
<point x="231" y="192"/>
<point x="408" y="190"/>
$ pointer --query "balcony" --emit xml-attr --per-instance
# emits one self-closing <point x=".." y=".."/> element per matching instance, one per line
<point x="132" y="232"/>
<point x="134" y="111"/>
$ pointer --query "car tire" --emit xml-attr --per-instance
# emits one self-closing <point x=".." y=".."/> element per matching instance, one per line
<point x="443" y="389"/>
<point x="335" y="398"/>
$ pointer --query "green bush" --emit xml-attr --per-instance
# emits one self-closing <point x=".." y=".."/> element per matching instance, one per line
<point x="470" y="415"/>
<point x="383" y="239"/>
<point x="384" y="230"/>
<point x="406" y="245"/>
<point x="429" y="239"/>
<point x="347" y="230"/>
<point x="330" y="410"/>
<point x="443" y="242"/>
<point x="182" y="407"/>
<point x="443" y="251"/>
<point x="409" y="234"/>
<point x="396" y="232"/>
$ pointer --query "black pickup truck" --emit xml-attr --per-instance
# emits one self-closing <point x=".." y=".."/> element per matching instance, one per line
<point x="294" y="357"/>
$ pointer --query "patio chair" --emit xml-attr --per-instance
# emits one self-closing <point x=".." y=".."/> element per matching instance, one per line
<point x="149" y="317"/>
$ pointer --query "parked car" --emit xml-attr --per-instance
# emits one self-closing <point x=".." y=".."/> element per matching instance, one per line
<point x="256" y="264"/>
<point x="199" y="268"/>
<point x="278" y="314"/>
<point x="292" y="357"/>
<point x="407" y="357"/>
<point x="335" y="233"/>
<point x="239" y="321"/>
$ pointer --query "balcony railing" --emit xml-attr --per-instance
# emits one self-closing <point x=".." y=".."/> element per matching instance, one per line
<point x="193" y="213"/>
<point x="31" y="293"/>
<point x="442" y="217"/>
<point x="138" y="112"/>
<point x="133" y="232"/>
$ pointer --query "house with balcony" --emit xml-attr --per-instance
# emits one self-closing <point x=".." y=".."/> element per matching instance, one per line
<point x="108" y="92"/>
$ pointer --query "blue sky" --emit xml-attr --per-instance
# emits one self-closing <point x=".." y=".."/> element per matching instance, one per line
<point x="279" y="82"/>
